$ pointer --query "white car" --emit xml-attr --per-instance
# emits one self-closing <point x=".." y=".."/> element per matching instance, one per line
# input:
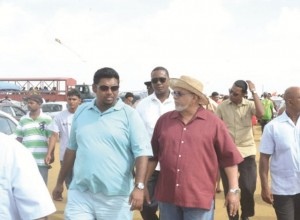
<point x="8" y="124"/>
<point x="53" y="108"/>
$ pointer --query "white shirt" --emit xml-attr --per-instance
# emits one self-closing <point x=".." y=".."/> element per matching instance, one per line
<point x="23" y="193"/>
<point x="151" y="108"/>
<point x="62" y="124"/>
<point x="281" y="140"/>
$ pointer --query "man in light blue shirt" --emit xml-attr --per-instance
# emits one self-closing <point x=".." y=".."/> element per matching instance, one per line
<point x="281" y="142"/>
<point x="107" y="139"/>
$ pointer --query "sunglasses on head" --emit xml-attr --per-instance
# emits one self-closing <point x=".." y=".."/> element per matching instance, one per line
<point x="104" y="88"/>
<point x="160" y="79"/>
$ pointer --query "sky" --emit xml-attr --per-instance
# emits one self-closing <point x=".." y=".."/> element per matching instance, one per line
<point x="215" y="41"/>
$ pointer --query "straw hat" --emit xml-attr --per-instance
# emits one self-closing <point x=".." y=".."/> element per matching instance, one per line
<point x="192" y="85"/>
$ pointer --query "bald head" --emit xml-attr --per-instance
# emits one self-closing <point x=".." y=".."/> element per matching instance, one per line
<point x="291" y="93"/>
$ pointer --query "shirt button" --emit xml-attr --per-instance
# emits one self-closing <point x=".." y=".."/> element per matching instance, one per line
<point x="179" y="155"/>
<point x="182" y="142"/>
<point x="177" y="184"/>
<point x="178" y="170"/>
<point x="184" y="129"/>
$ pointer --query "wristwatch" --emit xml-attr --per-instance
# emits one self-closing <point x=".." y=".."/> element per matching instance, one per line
<point x="140" y="186"/>
<point x="235" y="190"/>
<point x="253" y="91"/>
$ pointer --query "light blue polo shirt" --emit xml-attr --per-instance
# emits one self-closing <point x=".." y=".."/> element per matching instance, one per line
<point x="106" y="145"/>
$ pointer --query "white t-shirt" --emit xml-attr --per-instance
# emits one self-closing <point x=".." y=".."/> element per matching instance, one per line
<point x="62" y="124"/>
<point x="23" y="193"/>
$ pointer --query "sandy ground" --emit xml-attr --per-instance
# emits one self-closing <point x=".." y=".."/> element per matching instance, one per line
<point x="263" y="211"/>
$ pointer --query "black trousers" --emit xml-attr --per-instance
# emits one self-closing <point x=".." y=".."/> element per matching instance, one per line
<point x="247" y="183"/>
<point x="287" y="207"/>
<point x="149" y="211"/>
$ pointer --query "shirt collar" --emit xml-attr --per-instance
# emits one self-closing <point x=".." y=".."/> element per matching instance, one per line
<point x="118" y="106"/>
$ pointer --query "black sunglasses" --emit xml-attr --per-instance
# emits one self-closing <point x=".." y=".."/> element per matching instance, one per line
<point x="104" y="88"/>
<point x="160" y="79"/>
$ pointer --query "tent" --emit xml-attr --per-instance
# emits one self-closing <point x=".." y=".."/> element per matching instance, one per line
<point x="6" y="86"/>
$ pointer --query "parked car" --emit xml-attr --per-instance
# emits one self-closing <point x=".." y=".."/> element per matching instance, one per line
<point x="53" y="108"/>
<point x="16" y="111"/>
<point x="8" y="124"/>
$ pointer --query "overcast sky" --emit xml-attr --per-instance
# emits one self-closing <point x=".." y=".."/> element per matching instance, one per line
<point x="216" y="41"/>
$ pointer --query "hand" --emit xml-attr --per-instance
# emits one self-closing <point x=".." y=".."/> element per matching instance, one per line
<point x="147" y="196"/>
<point x="136" y="199"/>
<point x="47" y="159"/>
<point x="267" y="196"/>
<point x="232" y="201"/>
<point x="250" y="85"/>
<point x="57" y="192"/>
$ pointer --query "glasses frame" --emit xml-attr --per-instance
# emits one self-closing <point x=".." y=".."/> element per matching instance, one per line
<point x="105" y="88"/>
<point x="178" y="94"/>
<point x="160" y="79"/>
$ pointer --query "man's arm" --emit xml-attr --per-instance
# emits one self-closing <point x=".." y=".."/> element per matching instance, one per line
<point x="150" y="169"/>
<point x="258" y="105"/>
<point x="266" y="193"/>
<point x="68" y="163"/>
<point x="136" y="198"/>
<point x="51" y="146"/>
<point x="232" y="199"/>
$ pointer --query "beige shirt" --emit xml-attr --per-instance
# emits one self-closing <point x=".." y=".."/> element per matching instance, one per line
<point x="238" y="119"/>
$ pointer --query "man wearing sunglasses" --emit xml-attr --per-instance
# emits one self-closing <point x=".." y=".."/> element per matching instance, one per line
<point x="150" y="109"/>
<point x="237" y="112"/>
<point x="108" y="138"/>
<point x="191" y="143"/>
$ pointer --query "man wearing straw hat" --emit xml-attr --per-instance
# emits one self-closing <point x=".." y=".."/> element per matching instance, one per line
<point x="191" y="143"/>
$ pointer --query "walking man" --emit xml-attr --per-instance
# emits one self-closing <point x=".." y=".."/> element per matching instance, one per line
<point x="150" y="109"/>
<point x="32" y="133"/>
<point x="61" y="128"/>
<point x="108" y="138"/>
<point x="280" y="153"/>
<point x="190" y="143"/>
<point x="237" y="112"/>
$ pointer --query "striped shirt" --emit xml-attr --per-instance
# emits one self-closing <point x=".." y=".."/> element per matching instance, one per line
<point x="35" y="135"/>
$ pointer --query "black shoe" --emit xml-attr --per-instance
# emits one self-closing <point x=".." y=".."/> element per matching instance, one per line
<point x="244" y="218"/>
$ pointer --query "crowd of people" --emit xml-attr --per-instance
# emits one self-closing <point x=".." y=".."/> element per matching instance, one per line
<point x="164" y="155"/>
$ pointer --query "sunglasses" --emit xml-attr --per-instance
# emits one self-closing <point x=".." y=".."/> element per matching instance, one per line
<point x="179" y="94"/>
<point x="160" y="79"/>
<point x="233" y="93"/>
<point x="104" y="88"/>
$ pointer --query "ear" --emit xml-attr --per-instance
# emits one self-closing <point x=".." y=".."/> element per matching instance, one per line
<point x="94" y="87"/>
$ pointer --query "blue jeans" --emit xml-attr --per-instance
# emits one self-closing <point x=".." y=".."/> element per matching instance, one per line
<point x="172" y="212"/>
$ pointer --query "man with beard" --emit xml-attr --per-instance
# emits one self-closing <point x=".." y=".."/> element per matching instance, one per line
<point x="190" y="144"/>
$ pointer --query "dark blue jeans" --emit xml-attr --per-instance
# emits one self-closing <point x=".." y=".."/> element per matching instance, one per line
<point x="247" y="183"/>
<point x="287" y="207"/>
<point x="149" y="211"/>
